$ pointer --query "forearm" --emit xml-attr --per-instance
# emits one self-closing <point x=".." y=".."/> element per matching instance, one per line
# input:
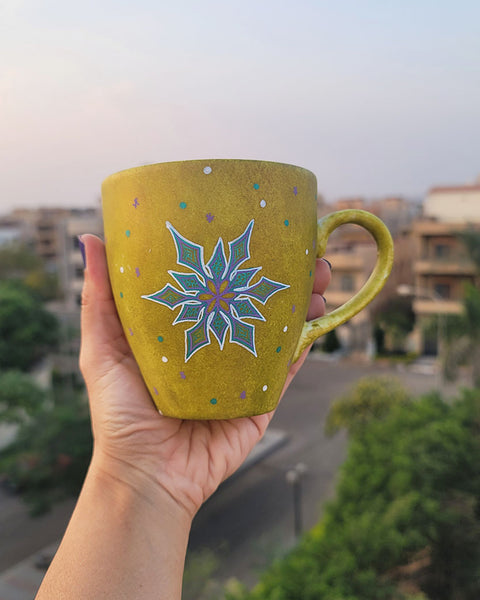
<point x="124" y="541"/>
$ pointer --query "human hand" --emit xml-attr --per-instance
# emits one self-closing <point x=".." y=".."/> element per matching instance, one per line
<point x="187" y="460"/>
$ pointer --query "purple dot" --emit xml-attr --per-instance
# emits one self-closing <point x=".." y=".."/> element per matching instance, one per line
<point x="135" y="203"/>
<point x="130" y="331"/>
<point x="182" y="375"/>
<point x="289" y="363"/>
<point x="137" y="271"/>
<point x="295" y="190"/>
<point x="243" y="395"/>
<point x="155" y="391"/>
<point x="210" y="217"/>
<point x="293" y="308"/>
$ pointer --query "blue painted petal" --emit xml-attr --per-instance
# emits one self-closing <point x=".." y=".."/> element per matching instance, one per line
<point x="246" y="310"/>
<point x="189" y="312"/>
<point x="218" y="262"/>
<point x="188" y="254"/>
<point x="264" y="289"/>
<point x="189" y="282"/>
<point x="243" y="334"/>
<point x="196" y="337"/>
<point x="239" y="249"/>
<point x="242" y="278"/>
<point x="169" y="296"/>
<point x="219" y="327"/>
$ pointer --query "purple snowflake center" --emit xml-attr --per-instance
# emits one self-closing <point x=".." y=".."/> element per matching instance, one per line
<point x="218" y="295"/>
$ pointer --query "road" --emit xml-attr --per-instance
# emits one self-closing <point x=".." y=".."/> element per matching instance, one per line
<point x="249" y="520"/>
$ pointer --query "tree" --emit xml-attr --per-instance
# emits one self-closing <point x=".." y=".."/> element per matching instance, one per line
<point x="27" y="330"/>
<point x="396" y="318"/>
<point x="20" y="397"/>
<point x="462" y="336"/>
<point x="49" y="458"/>
<point x="405" y="522"/>
<point x="19" y="263"/>
<point x="372" y="398"/>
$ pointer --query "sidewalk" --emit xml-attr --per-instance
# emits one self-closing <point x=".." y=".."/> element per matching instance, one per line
<point x="22" y="581"/>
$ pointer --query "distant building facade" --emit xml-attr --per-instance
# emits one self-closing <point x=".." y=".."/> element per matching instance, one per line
<point x="442" y="265"/>
<point x="353" y="253"/>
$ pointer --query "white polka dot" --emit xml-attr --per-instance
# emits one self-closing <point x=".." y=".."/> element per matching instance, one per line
<point x="122" y="269"/>
<point x="306" y="251"/>
<point x="265" y="388"/>
<point x="263" y="204"/>
<point x="285" y="328"/>
<point x="160" y="412"/>
<point x="207" y="170"/>
<point x="164" y="359"/>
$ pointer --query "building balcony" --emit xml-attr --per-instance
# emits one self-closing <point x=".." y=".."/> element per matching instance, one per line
<point x="427" y="307"/>
<point x="459" y="266"/>
<point x="346" y="261"/>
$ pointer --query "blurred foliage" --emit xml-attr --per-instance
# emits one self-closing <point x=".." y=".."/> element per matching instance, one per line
<point x="405" y="522"/>
<point x="20" y="397"/>
<point x="27" y="330"/>
<point x="49" y="458"/>
<point x="198" y="580"/>
<point x="331" y="343"/>
<point x="19" y="263"/>
<point x="471" y="241"/>
<point x="393" y="319"/>
<point x="461" y="337"/>
<point x="372" y="398"/>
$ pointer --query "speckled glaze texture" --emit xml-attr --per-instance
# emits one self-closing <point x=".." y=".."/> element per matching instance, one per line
<point x="211" y="264"/>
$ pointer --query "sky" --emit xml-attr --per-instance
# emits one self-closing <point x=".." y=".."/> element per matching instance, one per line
<point x="376" y="97"/>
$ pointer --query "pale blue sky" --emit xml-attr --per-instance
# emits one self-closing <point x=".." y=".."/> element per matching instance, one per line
<point x="376" y="97"/>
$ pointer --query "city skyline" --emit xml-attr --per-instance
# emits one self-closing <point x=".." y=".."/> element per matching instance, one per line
<point x="377" y="100"/>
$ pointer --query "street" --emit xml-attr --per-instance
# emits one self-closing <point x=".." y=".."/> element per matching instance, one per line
<point x="250" y="519"/>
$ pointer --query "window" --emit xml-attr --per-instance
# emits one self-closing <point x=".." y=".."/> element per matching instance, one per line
<point x="346" y="283"/>
<point x="442" y="290"/>
<point x="441" y="250"/>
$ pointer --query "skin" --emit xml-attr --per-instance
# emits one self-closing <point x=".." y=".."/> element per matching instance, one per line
<point x="149" y="474"/>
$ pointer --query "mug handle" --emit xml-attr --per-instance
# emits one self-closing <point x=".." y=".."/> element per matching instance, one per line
<point x="318" y="327"/>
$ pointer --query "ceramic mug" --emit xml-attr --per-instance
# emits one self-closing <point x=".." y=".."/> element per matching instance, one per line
<point x="212" y="265"/>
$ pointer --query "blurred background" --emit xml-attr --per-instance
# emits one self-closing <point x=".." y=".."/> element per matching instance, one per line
<point x="367" y="483"/>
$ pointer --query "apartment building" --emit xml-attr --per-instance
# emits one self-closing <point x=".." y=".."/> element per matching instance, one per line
<point x="353" y="253"/>
<point x="442" y="266"/>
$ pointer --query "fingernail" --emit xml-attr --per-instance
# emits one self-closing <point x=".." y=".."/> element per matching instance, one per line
<point x="81" y="245"/>
<point x="324" y="299"/>
<point x="328" y="263"/>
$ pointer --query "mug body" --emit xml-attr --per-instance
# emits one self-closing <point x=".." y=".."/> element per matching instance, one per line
<point x="212" y="265"/>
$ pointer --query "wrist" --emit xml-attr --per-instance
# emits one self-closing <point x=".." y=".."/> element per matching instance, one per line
<point x="134" y="490"/>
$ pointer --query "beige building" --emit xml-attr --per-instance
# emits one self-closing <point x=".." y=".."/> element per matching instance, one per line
<point x="352" y="252"/>
<point x="442" y="265"/>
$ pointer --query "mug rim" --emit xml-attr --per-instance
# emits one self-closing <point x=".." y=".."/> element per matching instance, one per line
<point x="205" y="161"/>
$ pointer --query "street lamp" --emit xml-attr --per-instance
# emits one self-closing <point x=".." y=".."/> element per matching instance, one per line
<point x="294" y="478"/>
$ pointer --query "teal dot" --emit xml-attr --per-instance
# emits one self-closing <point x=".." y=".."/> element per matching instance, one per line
<point x="183" y="205"/>
<point x="310" y="273"/>
<point x="286" y="222"/>
<point x="256" y="186"/>
<point x="160" y="338"/>
<point x="279" y="349"/>
<point x="213" y="401"/>
<point x="121" y="294"/>
<point x="128" y="232"/>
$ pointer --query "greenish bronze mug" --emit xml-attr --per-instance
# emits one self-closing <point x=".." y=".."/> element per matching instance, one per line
<point x="212" y="264"/>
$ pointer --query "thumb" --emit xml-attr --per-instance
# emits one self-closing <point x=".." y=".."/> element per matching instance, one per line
<point x="103" y="343"/>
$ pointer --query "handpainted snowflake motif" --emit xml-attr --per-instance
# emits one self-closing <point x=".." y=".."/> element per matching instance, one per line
<point x="218" y="295"/>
